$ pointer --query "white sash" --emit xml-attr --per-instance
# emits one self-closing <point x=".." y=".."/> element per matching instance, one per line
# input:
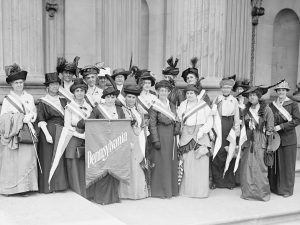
<point x="193" y="110"/>
<point x="121" y="98"/>
<point x="65" y="93"/>
<point x="16" y="100"/>
<point x="56" y="107"/>
<point x="283" y="111"/>
<point x="159" y="106"/>
<point x="74" y="107"/>
<point x="254" y="115"/>
<point x="104" y="112"/>
<point x="200" y="96"/>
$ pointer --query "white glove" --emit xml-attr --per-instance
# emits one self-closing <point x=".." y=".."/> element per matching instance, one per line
<point x="277" y="128"/>
<point x="79" y="135"/>
<point x="49" y="139"/>
<point x="199" y="134"/>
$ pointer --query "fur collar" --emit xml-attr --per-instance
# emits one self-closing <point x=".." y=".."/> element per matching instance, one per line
<point x="261" y="110"/>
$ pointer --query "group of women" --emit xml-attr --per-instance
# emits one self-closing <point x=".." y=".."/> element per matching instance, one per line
<point x="176" y="132"/>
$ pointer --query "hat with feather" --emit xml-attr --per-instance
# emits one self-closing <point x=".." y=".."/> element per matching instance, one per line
<point x="171" y="69"/>
<point x="228" y="81"/>
<point x="63" y="65"/>
<point x="245" y="84"/>
<point x="14" y="72"/>
<point x="191" y="70"/>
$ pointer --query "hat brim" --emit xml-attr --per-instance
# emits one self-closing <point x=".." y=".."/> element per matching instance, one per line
<point x="125" y="74"/>
<point x="152" y="79"/>
<point x="18" y="76"/>
<point x="281" y="88"/>
<point x="115" y="92"/>
<point x="188" y="71"/>
<point x="53" y="81"/>
<point x="75" y="86"/>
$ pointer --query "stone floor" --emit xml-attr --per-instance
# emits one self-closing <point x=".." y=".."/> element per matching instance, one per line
<point x="222" y="207"/>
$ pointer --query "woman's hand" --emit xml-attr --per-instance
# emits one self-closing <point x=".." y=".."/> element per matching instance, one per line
<point x="27" y="118"/>
<point x="49" y="139"/>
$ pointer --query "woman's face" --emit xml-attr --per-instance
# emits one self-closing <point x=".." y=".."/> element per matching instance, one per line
<point x="79" y="93"/>
<point x="253" y="99"/>
<point x="110" y="100"/>
<point x="18" y="85"/>
<point x="91" y="80"/>
<point x="53" y="88"/>
<point x="191" y="79"/>
<point x="168" y="77"/>
<point x="281" y="92"/>
<point x="163" y="93"/>
<point x="239" y="90"/>
<point x="120" y="80"/>
<point x="191" y="96"/>
<point x="67" y="76"/>
<point x="226" y="90"/>
<point x="102" y="81"/>
<point x="130" y="100"/>
<point x="146" y="85"/>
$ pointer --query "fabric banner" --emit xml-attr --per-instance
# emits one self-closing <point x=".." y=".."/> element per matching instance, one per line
<point x="108" y="148"/>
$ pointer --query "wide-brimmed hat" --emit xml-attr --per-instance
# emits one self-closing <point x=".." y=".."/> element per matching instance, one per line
<point x="171" y="69"/>
<point x="87" y="70"/>
<point x="110" y="91"/>
<point x="228" y="81"/>
<point x="120" y="71"/>
<point x="259" y="90"/>
<point x="191" y="87"/>
<point x="245" y="84"/>
<point x="63" y="65"/>
<point x="78" y="83"/>
<point x="132" y="89"/>
<point x="14" y="72"/>
<point x="164" y="84"/>
<point x="147" y="76"/>
<point x="282" y="85"/>
<point x="51" y="78"/>
<point x="191" y="70"/>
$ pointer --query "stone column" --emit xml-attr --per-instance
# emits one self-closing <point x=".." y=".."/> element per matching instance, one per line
<point x="21" y="30"/>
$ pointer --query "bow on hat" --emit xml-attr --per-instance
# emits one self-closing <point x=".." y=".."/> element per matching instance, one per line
<point x="171" y="69"/>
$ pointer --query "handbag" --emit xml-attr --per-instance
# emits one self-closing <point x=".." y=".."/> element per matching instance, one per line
<point x="269" y="158"/>
<point x="25" y="137"/>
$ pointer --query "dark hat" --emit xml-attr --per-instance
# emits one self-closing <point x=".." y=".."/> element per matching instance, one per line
<point x="63" y="65"/>
<point x="191" y="87"/>
<point x="259" y="90"/>
<point x="191" y="70"/>
<point x="228" y="81"/>
<point x="171" y="69"/>
<point x="110" y="91"/>
<point x="147" y="76"/>
<point x="132" y="89"/>
<point x="14" y="72"/>
<point x="245" y="84"/>
<point x="163" y="83"/>
<point x="51" y="78"/>
<point x="78" y="83"/>
<point x="87" y="70"/>
<point x="120" y="71"/>
<point x="136" y="72"/>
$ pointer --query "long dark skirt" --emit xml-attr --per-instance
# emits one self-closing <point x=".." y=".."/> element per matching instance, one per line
<point x="164" y="183"/>
<point x="106" y="190"/>
<point x="59" y="181"/>
<point x="218" y="164"/>
<point x="282" y="174"/>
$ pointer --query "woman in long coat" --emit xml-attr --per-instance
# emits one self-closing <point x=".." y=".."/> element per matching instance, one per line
<point x="74" y="153"/>
<point x="18" y="165"/>
<point x="287" y="117"/>
<point x="106" y="190"/>
<point x="50" y="113"/>
<point x="195" y="144"/>
<point x="164" y="150"/>
<point x="137" y="187"/>
<point x="259" y="123"/>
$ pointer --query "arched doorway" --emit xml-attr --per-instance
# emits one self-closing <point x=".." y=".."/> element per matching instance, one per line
<point x="285" y="50"/>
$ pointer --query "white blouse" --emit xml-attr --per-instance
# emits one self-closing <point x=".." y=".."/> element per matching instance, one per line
<point x="71" y="118"/>
<point x="26" y="99"/>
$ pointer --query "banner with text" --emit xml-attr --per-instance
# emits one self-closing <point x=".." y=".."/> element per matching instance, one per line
<point x="108" y="146"/>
